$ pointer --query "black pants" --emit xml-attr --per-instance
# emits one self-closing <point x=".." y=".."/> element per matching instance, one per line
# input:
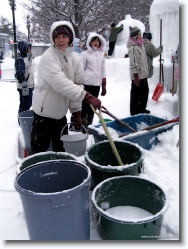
<point x="45" y="130"/>
<point x="25" y="101"/>
<point x="139" y="97"/>
<point x="86" y="109"/>
<point x="111" y="47"/>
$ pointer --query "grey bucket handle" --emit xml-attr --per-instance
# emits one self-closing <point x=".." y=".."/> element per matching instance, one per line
<point x="72" y="123"/>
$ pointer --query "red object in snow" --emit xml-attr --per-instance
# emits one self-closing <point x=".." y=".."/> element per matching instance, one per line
<point x="158" y="91"/>
<point x="25" y="153"/>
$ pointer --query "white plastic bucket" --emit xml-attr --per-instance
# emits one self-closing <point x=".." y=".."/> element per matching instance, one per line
<point x="74" y="143"/>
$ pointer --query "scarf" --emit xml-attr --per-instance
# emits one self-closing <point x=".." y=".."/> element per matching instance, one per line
<point x="138" y="41"/>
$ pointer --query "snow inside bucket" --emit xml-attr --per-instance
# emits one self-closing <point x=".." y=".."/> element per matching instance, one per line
<point x="128" y="208"/>
<point x="75" y="143"/>
<point x="55" y="199"/>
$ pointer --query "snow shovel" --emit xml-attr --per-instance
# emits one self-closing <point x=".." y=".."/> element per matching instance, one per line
<point x="99" y="114"/>
<point x="155" y="126"/>
<point x="160" y="86"/>
<point x="173" y="68"/>
<point x="117" y="119"/>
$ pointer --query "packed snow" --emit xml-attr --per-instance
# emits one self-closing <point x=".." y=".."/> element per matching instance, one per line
<point x="161" y="163"/>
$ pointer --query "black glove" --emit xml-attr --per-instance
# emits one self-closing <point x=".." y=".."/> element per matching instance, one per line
<point x="91" y="100"/>
<point x="103" y="93"/>
<point x="136" y="80"/>
<point x="77" y="120"/>
<point x="161" y="47"/>
<point x="25" y="89"/>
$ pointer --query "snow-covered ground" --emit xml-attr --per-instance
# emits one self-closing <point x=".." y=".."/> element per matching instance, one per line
<point x="161" y="162"/>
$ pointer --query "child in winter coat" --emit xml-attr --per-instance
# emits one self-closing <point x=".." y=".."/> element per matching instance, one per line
<point x="94" y="72"/>
<point x="24" y="75"/>
<point x="138" y="72"/>
<point x="58" y="89"/>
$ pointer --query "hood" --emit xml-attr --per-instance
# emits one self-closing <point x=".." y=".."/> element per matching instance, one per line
<point x="146" y="40"/>
<point x="23" y="47"/>
<point x="102" y="40"/>
<point x="60" y="23"/>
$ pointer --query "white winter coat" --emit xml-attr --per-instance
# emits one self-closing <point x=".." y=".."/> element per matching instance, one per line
<point x="59" y="80"/>
<point x="94" y="62"/>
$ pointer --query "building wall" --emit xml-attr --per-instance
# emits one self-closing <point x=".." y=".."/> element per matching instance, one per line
<point x="4" y="38"/>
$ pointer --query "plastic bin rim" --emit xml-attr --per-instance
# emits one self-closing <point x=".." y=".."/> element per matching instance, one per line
<point x="129" y="221"/>
<point x="94" y="127"/>
<point x="43" y="154"/>
<point x="117" y="167"/>
<point x="51" y="195"/>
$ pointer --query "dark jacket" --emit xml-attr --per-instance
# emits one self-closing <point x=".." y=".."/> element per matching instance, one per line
<point x="114" y="33"/>
<point x="23" y="65"/>
<point x="151" y="52"/>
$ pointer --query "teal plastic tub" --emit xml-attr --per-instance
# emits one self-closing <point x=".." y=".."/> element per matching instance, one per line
<point x="130" y="192"/>
<point x="103" y="163"/>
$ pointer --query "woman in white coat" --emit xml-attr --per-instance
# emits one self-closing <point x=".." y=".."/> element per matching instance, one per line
<point x="94" y="72"/>
<point x="58" y="88"/>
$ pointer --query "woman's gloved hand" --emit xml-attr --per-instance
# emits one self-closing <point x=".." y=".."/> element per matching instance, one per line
<point x="103" y="93"/>
<point x="91" y="100"/>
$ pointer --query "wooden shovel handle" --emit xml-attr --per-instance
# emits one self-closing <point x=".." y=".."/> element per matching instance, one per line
<point x="99" y="114"/>
<point x="155" y="126"/>
<point x="117" y="119"/>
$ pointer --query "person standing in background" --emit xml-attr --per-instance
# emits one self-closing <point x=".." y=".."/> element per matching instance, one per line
<point x="94" y="72"/>
<point x="113" y="38"/>
<point x="24" y="75"/>
<point x="138" y="72"/>
<point x="151" y="51"/>
<point x="107" y="33"/>
<point x="78" y="46"/>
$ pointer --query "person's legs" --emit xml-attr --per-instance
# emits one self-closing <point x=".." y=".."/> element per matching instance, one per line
<point x="87" y="113"/>
<point x="111" y="48"/>
<point x="41" y="134"/>
<point x="134" y="99"/>
<point x="25" y="101"/>
<point x="57" y="129"/>
<point x="144" y="92"/>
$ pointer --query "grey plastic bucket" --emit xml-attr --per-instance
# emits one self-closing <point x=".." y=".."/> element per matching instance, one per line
<point x="132" y="192"/>
<point x="42" y="157"/>
<point x="55" y="199"/>
<point x="26" y="119"/>
<point x="75" y="143"/>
